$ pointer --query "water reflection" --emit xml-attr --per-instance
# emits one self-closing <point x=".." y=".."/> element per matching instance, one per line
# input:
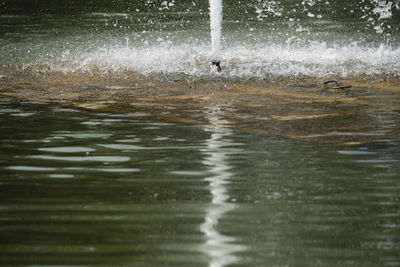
<point x="220" y="248"/>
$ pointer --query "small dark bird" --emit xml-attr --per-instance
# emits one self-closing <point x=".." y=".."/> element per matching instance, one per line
<point x="218" y="64"/>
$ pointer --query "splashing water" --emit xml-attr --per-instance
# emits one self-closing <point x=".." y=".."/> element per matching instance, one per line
<point x="268" y="8"/>
<point x="383" y="9"/>
<point x="263" y="39"/>
<point x="318" y="59"/>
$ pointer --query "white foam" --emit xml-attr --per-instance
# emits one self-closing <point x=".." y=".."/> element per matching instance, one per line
<point x="315" y="60"/>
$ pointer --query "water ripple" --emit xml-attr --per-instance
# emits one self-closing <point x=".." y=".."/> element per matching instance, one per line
<point x="355" y="152"/>
<point x="78" y="159"/>
<point x="67" y="149"/>
<point x="30" y="168"/>
<point x="84" y="135"/>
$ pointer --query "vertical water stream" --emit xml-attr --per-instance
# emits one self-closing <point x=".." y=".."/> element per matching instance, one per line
<point x="216" y="25"/>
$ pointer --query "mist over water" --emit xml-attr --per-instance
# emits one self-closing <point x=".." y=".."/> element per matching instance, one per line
<point x="260" y="39"/>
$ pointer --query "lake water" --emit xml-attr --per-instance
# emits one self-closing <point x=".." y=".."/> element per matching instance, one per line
<point x="120" y="145"/>
<point x="83" y="188"/>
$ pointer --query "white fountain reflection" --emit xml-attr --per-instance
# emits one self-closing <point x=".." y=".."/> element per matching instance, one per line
<point x="220" y="248"/>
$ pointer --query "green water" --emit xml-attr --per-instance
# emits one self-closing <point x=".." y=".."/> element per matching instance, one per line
<point x="95" y="188"/>
<point x="82" y="188"/>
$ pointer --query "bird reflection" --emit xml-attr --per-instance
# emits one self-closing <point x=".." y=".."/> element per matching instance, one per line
<point x="220" y="248"/>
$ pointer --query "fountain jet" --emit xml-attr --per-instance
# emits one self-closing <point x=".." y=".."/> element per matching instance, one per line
<point x="216" y="24"/>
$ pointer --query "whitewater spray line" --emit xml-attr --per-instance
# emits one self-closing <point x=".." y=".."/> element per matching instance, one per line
<point x="216" y="25"/>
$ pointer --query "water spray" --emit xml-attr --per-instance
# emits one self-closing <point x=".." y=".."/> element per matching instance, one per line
<point x="215" y="25"/>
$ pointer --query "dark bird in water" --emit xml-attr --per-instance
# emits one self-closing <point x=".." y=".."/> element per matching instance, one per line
<point x="217" y="63"/>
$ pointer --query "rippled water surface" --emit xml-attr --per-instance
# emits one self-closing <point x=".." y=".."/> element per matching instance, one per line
<point x="305" y="175"/>
<point x="85" y="188"/>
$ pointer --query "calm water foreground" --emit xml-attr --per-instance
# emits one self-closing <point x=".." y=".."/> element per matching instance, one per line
<point x="86" y="188"/>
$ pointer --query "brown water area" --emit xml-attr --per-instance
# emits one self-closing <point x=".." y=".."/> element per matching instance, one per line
<point x="298" y="108"/>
